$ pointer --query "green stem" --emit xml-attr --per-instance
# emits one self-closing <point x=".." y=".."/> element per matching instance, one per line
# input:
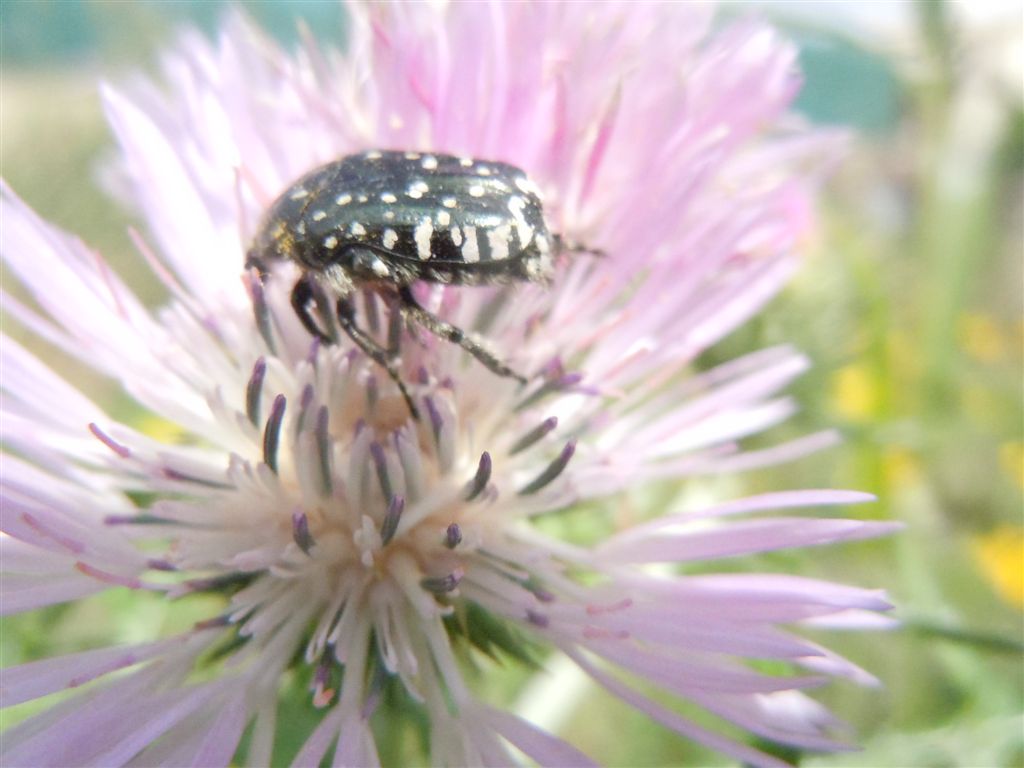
<point x="980" y="640"/>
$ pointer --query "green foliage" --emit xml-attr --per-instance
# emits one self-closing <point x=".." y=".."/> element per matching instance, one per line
<point x="492" y="635"/>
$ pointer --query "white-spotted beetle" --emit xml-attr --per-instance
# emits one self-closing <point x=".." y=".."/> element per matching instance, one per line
<point x="382" y="220"/>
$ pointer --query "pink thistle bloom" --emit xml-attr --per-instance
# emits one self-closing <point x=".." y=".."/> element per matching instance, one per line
<point x="369" y="552"/>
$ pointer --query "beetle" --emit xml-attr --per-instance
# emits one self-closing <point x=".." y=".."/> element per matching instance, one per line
<point x="383" y="220"/>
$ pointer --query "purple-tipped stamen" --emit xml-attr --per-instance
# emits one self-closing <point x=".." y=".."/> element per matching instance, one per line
<point x="435" y="419"/>
<point x="537" y="619"/>
<point x="254" y="391"/>
<point x="391" y="519"/>
<point x="543" y="595"/>
<point x="325" y="310"/>
<point x="323" y="693"/>
<point x="554" y="469"/>
<point x="323" y="448"/>
<point x="395" y="329"/>
<point x="218" y="583"/>
<point x="375" y="694"/>
<point x="174" y="474"/>
<point x="143" y="519"/>
<point x="300" y="531"/>
<point x="538" y="591"/>
<point x="305" y="400"/>
<point x="453" y="536"/>
<point x="533" y="435"/>
<point x="214" y="623"/>
<point x="314" y="351"/>
<point x="380" y="463"/>
<point x="441" y="585"/>
<point x="121" y="450"/>
<point x="272" y="434"/>
<point x="261" y="312"/>
<point x="553" y="368"/>
<point x="483" y="475"/>
<point x="548" y="387"/>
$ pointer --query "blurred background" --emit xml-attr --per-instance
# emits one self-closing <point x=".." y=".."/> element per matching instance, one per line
<point x="909" y="305"/>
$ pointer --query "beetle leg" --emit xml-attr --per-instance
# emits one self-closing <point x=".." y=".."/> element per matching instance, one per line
<point x="395" y="323"/>
<point x="303" y="294"/>
<point x="385" y="358"/>
<point x="449" y="332"/>
<point x="252" y="261"/>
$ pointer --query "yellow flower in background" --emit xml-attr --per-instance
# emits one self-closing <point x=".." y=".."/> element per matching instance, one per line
<point x="1000" y="554"/>
<point x="855" y="392"/>
<point x="1011" y="461"/>
<point x="981" y="338"/>
<point x="901" y="468"/>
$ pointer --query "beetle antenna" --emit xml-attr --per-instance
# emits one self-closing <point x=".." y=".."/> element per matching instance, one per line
<point x="565" y="245"/>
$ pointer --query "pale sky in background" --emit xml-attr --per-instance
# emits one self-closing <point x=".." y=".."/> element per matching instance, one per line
<point x="889" y="17"/>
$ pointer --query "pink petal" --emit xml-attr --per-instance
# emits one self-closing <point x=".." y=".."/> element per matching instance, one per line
<point x="39" y="678"/>
<point x="356" y="747"/>
<point x="224" y="732"/>
<point x="750" y="504"/>
<point x="23" y="594"/>
<point x="676" y="722"/>
<point x="135" y="729"/>
<point x="207" y="257"/>
<point x="542" y="747"/>
<point x="742" y="538"/>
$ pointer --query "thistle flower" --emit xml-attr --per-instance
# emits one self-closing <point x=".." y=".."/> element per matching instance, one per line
<point x="372" y="554"/>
